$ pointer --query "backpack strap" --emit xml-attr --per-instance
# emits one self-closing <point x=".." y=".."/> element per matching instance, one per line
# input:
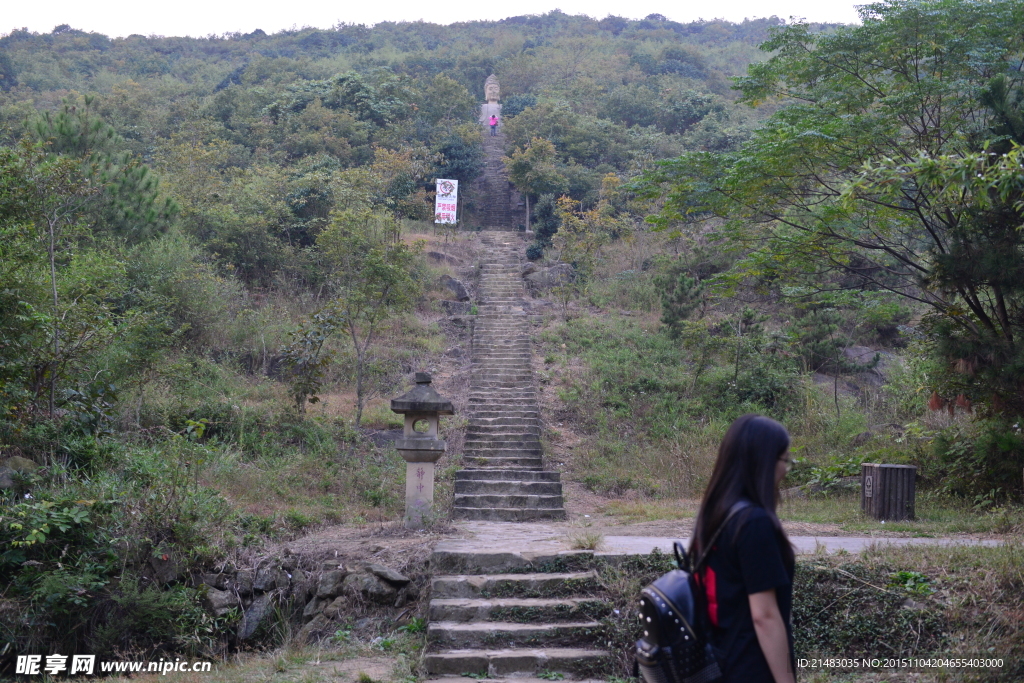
<point x="736" y="507"/>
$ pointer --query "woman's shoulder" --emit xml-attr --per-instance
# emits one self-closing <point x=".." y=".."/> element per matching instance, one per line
<point x="752" y="518"/>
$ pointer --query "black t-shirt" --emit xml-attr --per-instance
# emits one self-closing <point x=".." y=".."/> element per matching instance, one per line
<point x="739" y="565"/>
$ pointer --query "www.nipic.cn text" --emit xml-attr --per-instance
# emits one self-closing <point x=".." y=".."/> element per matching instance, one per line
<point x="29" y="665"/>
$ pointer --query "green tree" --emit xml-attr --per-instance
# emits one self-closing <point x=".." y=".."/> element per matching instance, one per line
<point x="45" y="204"/>
<point x="533" y="170"/>
<point x="127" y="202"/>
<point x="372" y="277"/>
<point x="681" y="296"/>
<point x="848" y="185"/>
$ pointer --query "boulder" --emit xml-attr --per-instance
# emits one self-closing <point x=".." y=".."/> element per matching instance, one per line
<point x="371" y="587"/>
<point x="545" y="278"/>
<point x="529" y="268"/>
<point x="243" y="582"/>
<point x="315" y="629"/>
<point x="859" y="355"/>
<point x="164" y="567"/>
<point x="336" y="607"/>
<point x="302" y="586"/>
<point x="457" y="307"/>
<point x="442" y="257"/>
<point x="331" y="583"/>
<point x="218" y="581"/>
<point x="20" y="464"/>
<point x="220" y="602"/>
<point x="387" y="573"/>
<point x="407" y="594"/>
<point x="6" y="478"/>
<point x="270" y="577"/>
<point x="315" y="606"/>
<point x="457" y="288"/>
<point x="255" y="614"/>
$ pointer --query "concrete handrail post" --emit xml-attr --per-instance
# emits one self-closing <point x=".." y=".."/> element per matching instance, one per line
<point x="420" y="449"/>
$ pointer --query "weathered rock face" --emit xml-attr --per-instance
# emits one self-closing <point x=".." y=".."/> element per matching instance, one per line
<point x="456" y="307"/>
<point x="331" y="583"/>
<point x="455" y="286"/>
<point x="270" y="578"/>
<point x="442" y="257"/>
<point x="164" y="567"/>
<point x="254" y="615"/>
<point x="859" y="355"/>
<point x="318" y="627"/>
<point x="244" y="582"/>
<point x="371" y="587"/>
<point x="543" y="279"/>
<point x="220" y="602"/>
<point x="10" y="468"/>
<point x="388" y="574"/>
<point x="322" y="596"/>
<point x="20" y="464"/>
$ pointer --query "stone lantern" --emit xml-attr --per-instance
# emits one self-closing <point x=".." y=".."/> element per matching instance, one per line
<point x="420" y="449"/>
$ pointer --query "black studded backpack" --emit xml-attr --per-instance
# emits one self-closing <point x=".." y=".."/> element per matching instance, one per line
<point x="676" y="647"/>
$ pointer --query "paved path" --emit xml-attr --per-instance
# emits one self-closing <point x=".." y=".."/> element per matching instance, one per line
<point x="497" y="544"/>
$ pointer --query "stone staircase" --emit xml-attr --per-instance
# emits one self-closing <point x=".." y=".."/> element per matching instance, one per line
<point x="496" y="212"/>
<point x="527" y="626"/>
<point x="504" y="478"/>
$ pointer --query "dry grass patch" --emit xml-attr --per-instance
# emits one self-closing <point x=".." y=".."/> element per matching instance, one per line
<point x="650" y="510"/>
<point x="585" y="539"/>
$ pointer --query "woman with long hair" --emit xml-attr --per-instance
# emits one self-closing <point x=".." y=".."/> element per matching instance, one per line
<point x="747" y="576"/>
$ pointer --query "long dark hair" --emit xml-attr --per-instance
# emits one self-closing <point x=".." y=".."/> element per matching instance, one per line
<point x="745" y="469"/>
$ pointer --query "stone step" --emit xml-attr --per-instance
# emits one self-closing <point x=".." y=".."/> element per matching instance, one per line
<point x="518" y="677"/>
<point x="519" y="610"/>
<point x="508" y="364"/>
<point x="456" y="634"/>
<point x="533" y="462"/>
<point x="520" y="445"/>
<point x="534" y="452"/>
<point x="479" y="414"/>
<point x="491" y="425"/>
<point x="526" y="585"/>
<point x="517" y="445"/>
<point x="511" y="500"/>
<point x="525" y="436"/>
<point x="503" y="425"/>
<point x="489" y="401"/>
<point x="507" y="487"/>
<point x="508" y="514"/>
<point x="473" y="474"/>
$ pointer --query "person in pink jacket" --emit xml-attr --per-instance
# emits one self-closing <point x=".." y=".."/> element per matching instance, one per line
<point x="494" y="125"/>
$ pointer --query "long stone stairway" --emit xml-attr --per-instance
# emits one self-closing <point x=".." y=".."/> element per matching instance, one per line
<point x="504" y="477"/>
<point x="496" y="212"/>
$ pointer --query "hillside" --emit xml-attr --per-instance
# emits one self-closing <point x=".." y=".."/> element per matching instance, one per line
<point x="218" y="264"/>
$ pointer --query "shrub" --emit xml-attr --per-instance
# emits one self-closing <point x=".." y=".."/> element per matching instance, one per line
<point x="981" y="461"/>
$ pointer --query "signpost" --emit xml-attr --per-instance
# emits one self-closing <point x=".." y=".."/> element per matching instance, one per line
<point x="446" y="202"/>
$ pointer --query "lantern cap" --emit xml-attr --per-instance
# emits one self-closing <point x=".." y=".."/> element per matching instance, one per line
<point x="422" y="399"/>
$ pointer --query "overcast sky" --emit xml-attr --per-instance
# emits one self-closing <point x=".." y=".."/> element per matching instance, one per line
<point x="205" y="17"/>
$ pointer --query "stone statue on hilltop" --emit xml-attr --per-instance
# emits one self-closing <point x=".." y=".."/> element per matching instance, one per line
<point x="491" y="90"/>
